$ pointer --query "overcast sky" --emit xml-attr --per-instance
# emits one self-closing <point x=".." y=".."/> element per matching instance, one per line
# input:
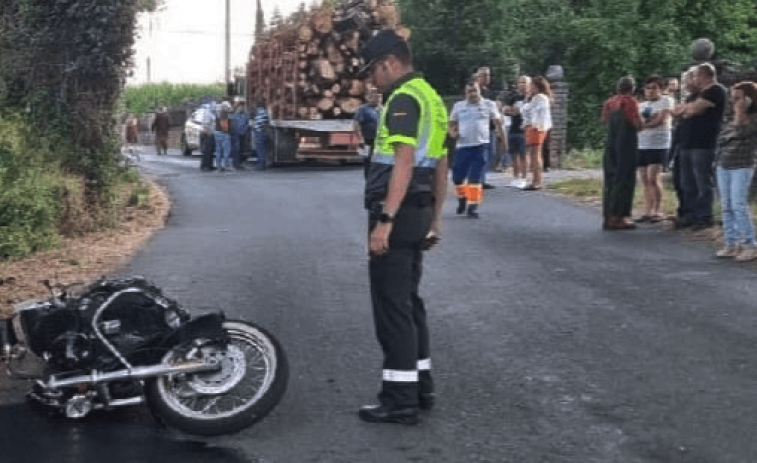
<point x="186" y="40"/>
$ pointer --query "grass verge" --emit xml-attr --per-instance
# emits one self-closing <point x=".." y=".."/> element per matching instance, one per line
<point x="140" y="210"/>
<point x="590" y="191"/>
<point x="586" y="158"/>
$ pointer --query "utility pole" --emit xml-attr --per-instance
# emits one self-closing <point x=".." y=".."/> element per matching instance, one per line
<point x="228" y="41"/>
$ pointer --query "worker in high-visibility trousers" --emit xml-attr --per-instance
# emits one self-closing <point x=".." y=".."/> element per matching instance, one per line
<point x="469" y="125"/>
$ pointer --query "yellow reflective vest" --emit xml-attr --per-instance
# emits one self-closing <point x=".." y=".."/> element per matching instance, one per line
<point x="429" y="141"/>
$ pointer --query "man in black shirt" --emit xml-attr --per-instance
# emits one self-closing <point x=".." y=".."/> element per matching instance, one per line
<point x="697" y="148"/>
<point x="515" y="138"/>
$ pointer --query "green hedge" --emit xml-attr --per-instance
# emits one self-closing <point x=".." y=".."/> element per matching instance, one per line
<point x="141" y="99"/>
<point x="31" y="185"/>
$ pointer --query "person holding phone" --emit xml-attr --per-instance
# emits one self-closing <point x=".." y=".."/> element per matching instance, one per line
<point x="737" y="147"/>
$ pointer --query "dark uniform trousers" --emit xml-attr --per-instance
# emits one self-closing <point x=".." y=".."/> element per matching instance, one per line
<point x="398" y="310"/>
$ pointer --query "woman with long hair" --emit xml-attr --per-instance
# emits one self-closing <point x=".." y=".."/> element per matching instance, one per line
<point x="737" y="146"/>
<point x="538" y="121"/>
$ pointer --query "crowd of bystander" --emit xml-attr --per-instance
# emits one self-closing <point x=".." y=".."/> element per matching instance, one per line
<point x="689" y="135"/>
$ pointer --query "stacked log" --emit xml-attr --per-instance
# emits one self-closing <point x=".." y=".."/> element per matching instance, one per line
<point x="308" y="69"/>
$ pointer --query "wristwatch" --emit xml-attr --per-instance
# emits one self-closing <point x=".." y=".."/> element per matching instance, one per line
<point x="385" y="218"/>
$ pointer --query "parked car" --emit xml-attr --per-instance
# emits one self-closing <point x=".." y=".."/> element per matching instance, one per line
<point x="205" y="116"/>
<point x="202" y="117"/>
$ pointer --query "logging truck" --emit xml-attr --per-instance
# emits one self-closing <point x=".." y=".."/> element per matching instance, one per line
<point x="306" y="74"/>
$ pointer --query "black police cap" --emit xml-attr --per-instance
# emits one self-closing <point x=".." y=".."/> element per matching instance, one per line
<point x="382" y="44"/>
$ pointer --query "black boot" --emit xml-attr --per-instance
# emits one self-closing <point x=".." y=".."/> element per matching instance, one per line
<point x="473" y="211"/>
<point x="426" y="400"/>
<point x="384" y="414"/>
<point x="461" y="203"/>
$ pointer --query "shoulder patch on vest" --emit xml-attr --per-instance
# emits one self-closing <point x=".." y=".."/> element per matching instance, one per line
<point x="403" y="116"/>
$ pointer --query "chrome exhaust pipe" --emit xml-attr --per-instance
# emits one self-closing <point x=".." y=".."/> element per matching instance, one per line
<point x="120" y="403"/>
<point x="136" y="373"/>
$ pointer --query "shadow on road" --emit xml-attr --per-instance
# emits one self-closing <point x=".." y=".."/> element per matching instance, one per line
<point x="28" y="435"/>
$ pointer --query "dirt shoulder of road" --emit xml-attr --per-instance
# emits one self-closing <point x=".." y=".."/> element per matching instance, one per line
<point x="84" y="259"/>
<point x="584" y="186"/>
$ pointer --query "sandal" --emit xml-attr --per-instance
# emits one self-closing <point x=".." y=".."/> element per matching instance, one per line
<point x="532" y="187"/>
<point x="644" y="218"/>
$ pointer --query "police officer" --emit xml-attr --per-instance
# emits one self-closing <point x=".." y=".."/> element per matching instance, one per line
<point x="405" y="191"/>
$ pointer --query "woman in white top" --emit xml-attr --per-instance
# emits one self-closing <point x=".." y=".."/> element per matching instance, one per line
<point x="654" y="142"/>
<point x="537" y="122"/>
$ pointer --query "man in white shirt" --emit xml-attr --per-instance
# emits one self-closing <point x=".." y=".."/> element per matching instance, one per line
<point x="469" y="125"/>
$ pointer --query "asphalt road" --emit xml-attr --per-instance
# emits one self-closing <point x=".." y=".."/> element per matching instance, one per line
<point x="552" y="340"/>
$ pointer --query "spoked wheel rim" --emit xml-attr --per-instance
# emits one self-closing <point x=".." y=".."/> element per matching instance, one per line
<point x="248" y="369"/>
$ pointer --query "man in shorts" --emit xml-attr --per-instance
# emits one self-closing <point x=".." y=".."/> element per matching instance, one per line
<point x="516" y="139"/>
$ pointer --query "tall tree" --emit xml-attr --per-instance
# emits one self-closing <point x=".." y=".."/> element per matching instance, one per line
<point x="596" y="41"/>
<point x="151" y="5"/>
<point x="277" y="19"/>
<point x="64" y="72"/>
<point x="301" y="12"/>
<point x="259" y="21"/>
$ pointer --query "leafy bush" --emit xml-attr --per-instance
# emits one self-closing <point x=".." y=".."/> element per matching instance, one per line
<point x="146" y="97"/>
<point x="65" y="72"/>
<point x="40" y="198"/>
<point x="30" y="191"/>
<point x="61" y="75"/>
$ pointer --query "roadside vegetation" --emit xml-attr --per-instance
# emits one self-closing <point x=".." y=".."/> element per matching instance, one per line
<point x="61" y="76"/>
<point x="590" y="191"/>
<point x="140" y="99"/>
<point x="587" y="158"/>
<point x="42" y="200"/>
<point x="596" y="42"/>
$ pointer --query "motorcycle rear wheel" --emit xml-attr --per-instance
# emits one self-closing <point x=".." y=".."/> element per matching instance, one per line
<point x="252" y="380"/>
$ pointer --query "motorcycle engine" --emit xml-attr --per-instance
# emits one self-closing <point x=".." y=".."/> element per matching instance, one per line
<point x="55" y="335"/>
<point x="137" y="318"/>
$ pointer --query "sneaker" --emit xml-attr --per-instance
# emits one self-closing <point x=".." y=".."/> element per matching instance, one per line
<point x="728" y="252"/>
<point x="747" y="255"/>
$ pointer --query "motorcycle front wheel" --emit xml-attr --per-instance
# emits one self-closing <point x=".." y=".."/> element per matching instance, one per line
<point x="251" y="381"/>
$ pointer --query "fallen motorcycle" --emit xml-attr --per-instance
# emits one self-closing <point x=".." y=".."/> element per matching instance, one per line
<point x="121" y="342"/>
